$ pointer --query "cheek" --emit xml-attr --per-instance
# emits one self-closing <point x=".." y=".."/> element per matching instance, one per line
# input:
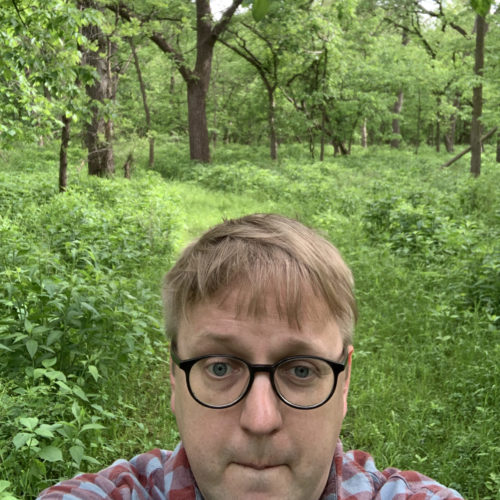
<point x="197" y="425"/>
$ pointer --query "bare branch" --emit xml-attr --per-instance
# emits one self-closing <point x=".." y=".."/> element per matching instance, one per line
<point x="226" y="17"/>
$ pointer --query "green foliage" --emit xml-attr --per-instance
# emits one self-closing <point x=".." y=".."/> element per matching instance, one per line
<point x="259" y="9"/>
<point x="80" y="310"/>
<point x="41" y="72"/>
<point x="79" y="287"/>
<point x="482" y="7"/>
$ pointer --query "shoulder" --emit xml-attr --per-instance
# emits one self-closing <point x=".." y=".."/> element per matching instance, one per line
<point x="360" y="480"/>
<point x="149" y="475"/>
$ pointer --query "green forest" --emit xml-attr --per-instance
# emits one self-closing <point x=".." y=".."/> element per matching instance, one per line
<point x="128" y="128"/>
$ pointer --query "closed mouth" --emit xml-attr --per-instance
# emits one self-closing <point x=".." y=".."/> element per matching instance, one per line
<point x="258" y="466"/>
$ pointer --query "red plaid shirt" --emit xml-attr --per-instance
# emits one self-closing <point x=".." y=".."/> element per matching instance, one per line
<point x="166" y="475"/>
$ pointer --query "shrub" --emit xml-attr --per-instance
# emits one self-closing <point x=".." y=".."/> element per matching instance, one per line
<point x="78" y="284"/>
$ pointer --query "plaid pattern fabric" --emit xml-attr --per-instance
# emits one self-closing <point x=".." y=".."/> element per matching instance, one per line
<point x="166" y="475"/>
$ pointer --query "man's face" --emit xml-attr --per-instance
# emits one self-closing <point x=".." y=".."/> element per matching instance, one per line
<point x="259" y="448"/>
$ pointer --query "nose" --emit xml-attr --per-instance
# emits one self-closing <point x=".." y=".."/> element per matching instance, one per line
<point x="261" y="408"/>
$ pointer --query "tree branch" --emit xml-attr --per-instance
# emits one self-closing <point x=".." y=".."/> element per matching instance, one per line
<point x="221" y="25"/>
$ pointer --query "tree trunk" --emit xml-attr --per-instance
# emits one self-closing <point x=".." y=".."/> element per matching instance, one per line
<point x="99" y="132"/>
<point x="273" y="142"/>
<point x="322" y="144"/>
<point x="145" y="105"/>
<point x="477" y="99"/>
<point x="437" y="136"/>
<point x="449" y="137"/>
<point x="197" y="120"/>
<point x="396" y="129"/>
<point x="151" y="160"/>
<point x="63" y="154"/>
<point x="127" y="167"/>
<point x="419" y="122"/>
<point x="364" y="135"/>
<point x="323" y="106"/>
<point x="498" y="150"/>
<point x="197" y="79"/>
<point x="398" y="105"/>
<point x="311" y="142"/>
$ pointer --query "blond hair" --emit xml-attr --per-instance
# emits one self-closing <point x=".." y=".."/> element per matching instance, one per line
<point x="254" y="255"/>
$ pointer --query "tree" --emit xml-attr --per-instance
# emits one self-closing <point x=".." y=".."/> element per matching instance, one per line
<point x="197" y="78"/>
<point x="144" y="96"/>
<point x="482" y="8"/>
<point x="40" y="61"/>
<point x="41" y="72"/>
<point x="99" y="129"/>
<point x="266" y="63"/>
<point x="398" y="105"/>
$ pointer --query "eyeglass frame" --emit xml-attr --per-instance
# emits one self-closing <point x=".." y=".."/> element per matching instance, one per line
<point x="186" y="364"/>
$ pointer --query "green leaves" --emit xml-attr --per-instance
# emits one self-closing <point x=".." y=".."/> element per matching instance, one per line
<point x="77" y="452"/>
<point x="32" y="347"/>
<point x="40" y="60"/>
<point x="29" y="422"/>
<point x="4" y="493"/>
<point x="51" y="454"/>
<point x="259" y="9"/>
<point x="481" y="7"/>
<point x="21" y="438"/>
<point x="78" y="307"/>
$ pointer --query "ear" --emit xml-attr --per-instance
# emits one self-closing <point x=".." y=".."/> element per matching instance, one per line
<point x="347" y="377"/>
<point x="172" y="386"/>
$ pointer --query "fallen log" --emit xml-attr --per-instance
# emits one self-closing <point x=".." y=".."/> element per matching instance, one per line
<point x="465" y="151"/>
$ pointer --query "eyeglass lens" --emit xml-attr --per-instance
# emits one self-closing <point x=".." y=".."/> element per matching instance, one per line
<point x="220" y="380"/>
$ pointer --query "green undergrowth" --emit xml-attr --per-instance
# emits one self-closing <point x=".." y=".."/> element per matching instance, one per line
<point x="86" y="378"/>
<point x="80" y="316"/>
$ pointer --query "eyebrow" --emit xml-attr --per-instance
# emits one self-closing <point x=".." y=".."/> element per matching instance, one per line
<point x="288" y="348"/>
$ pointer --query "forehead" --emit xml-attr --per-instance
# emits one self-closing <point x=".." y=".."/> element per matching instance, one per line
<point x="230" y="321"/>
<point x="294" y="305"/>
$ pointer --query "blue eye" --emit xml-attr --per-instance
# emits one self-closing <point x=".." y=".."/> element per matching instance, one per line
<point x="301" y="371"/>
<point x="219" y="369"/>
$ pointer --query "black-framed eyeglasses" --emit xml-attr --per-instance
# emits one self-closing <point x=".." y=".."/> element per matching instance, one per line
<point x="220" y="381"/>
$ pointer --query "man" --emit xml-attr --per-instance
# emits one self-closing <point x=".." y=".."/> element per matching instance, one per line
<point x="260" y="313"/>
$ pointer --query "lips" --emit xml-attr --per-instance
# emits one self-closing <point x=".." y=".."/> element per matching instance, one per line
<point x="258" y="466"/>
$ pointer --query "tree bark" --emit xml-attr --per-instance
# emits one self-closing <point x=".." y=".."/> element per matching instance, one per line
<point x="147" y="114"/>
<point x="396" y="129"/>
<point x="498" y="151"/>
<point x="419" y="122"/>
<point x="437" y="136"/>
<point x="273" y="142"/>
<point x="398" y="105"/>
<point x="63" y="154"/>
<point x="197" y="121"/>
<point x="477" y="99"/>
<point x="364" y="135"/>
<point x="449" y="137"/>
<point x="127" y="166"/>
<point x="99" y="131"/>
<point x="323" y="138"/>
<point x="323" y="106"/>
